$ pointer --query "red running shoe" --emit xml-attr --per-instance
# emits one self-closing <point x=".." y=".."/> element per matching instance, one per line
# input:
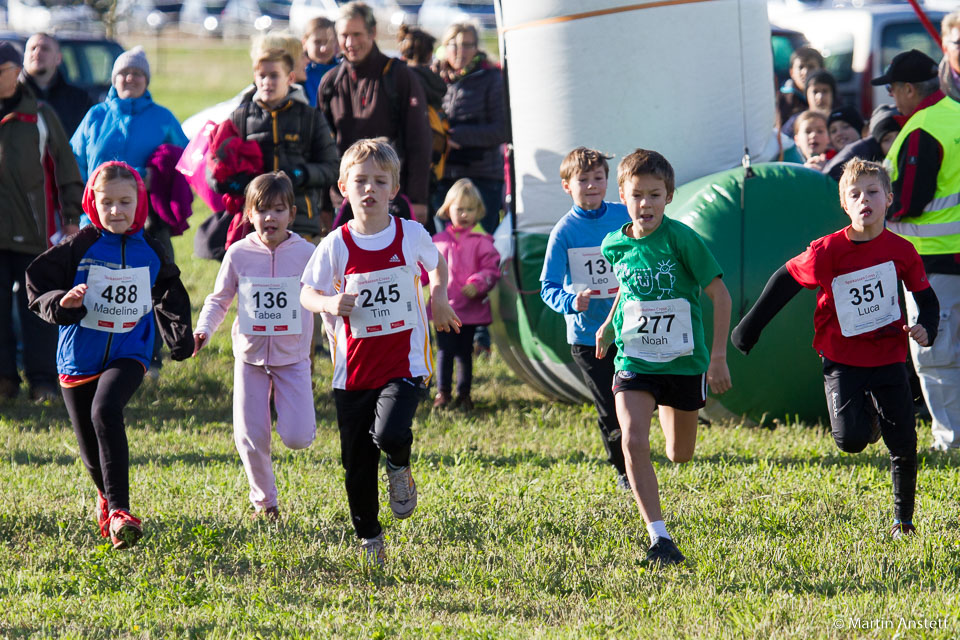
<point x="125" y="530"/>
<point x="103" y="515"/>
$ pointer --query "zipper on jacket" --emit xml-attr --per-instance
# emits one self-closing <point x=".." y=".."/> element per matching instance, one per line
<point x="123" y="265"/>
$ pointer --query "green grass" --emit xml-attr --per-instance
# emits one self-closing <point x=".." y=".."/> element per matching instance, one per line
<point x="520" y="532"/>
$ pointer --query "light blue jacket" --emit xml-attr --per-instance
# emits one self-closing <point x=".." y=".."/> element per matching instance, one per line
<point x="578" y="228"/>
<point x="128" y="130"/>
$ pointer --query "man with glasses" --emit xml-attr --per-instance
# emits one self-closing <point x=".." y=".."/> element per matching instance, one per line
<point x="40" y="189"/>
<point x="924" y="164"/>
<point x="950" y="65"/>
<point x="371" y="95"/>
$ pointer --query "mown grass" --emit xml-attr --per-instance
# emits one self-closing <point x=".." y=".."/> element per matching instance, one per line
<point x="520" y="532"/>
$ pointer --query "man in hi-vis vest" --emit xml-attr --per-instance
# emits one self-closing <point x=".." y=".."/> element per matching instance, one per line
<point x="924" y="164"/>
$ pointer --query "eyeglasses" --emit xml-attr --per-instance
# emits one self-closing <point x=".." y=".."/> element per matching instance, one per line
<point x="889" y="89"/>
<point x="463" y="45"/>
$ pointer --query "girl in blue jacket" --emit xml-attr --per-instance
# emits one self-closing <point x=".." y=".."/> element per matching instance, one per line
<point x="105" y="287"/>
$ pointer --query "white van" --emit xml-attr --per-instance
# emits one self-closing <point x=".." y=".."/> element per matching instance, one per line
<point x="859" y="43"/>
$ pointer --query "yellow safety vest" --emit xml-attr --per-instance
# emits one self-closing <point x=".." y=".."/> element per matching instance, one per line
<point x="937" y="231"/>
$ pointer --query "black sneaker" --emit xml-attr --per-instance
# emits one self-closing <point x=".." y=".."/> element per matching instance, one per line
<point x="664" y="553"/>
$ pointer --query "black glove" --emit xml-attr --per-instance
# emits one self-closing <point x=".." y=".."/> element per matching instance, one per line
<point x="236" y="184"/>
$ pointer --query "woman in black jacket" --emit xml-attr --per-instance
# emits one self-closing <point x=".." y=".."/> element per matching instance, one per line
<point x="475" y="108"/>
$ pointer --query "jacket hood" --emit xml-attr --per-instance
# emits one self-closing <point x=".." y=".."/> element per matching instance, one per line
<point x="128" y="105"/>
<point x="90" y="203"/>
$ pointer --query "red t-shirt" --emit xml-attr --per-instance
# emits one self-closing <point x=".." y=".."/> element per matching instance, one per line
<point x="828" y="264"/>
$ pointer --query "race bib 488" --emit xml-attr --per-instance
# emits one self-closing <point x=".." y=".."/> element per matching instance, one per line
<point x="116" y="299"/>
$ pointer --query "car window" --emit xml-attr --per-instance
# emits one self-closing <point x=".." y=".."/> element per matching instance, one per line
<point x="70" y="66"/>
<point x="100" y="62"/>
<point x="838" y="57"/>
<point x="903" y="37"/>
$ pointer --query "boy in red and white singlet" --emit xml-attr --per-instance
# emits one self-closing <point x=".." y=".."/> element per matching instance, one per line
<point x="860" y="332"/>
<point x="365" y="278"/>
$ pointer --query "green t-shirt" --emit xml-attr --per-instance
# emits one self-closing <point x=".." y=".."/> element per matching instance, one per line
<point x="661" y="277"/>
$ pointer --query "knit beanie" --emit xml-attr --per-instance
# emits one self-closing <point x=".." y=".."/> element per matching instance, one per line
<point x="882" y="121"/>
<point x="849" y="115"/>
<point x="135" y="58"/>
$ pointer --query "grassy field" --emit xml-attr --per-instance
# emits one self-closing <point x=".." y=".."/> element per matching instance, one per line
<point x="520" y="532"/>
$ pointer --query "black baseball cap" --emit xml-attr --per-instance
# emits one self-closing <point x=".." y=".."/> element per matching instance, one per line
<point x="908" y="66"/>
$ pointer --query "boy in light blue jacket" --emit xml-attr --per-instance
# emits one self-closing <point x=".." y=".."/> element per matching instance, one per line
<point x="578" y="282"/>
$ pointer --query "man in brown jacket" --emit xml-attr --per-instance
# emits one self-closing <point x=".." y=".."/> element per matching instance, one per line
<point x="40" y="191"/>
<point x="371" y="95"/>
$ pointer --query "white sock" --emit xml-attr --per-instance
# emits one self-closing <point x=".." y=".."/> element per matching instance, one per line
<point x="657" y="530"/>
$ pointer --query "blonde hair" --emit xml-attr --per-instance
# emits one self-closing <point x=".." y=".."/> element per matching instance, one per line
<point x="465" y="192"/>
<point x="266" y="189"/>
<point x="950" y="21"/>
<point x="809" y="114"/>
<point x="377" y="149"/>
<point x="644" y="162"/>
<point x="582" y="160"/>
<point x="857" y="168"/>
<point x="265" y="47"/>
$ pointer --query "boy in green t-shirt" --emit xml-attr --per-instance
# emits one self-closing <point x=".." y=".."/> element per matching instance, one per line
<point x="662" y="266"/>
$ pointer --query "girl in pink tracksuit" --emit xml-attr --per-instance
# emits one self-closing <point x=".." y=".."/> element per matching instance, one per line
<point x="271" y="335"/>
<point x="474" y="267"/>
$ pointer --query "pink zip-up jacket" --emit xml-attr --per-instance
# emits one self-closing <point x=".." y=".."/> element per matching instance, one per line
<point x="471" y="259"/>
<point x="249" y="257"/>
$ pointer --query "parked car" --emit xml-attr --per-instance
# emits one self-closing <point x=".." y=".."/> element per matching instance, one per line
<point x="859" y="43"/>
<point x="87" y="59"/>
<point x="436" y="15"/>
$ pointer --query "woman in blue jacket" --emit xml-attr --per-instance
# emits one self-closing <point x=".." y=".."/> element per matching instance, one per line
<point x="128" y="126"/>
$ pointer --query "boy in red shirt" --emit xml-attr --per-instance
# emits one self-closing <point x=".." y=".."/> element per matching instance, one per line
<point x="860" y="332"/>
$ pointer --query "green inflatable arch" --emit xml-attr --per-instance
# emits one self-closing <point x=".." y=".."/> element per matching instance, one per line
<point x="752" y="225"/>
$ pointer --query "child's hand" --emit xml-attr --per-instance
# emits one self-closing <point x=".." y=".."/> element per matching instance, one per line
<point x="918" y="333"/>
<point x="469" y="290"/>
<point x="582" y="301"/>
<point x="718" y="375"/>
<point x="444" y="317"/>
<point x="199" y="342"/>
<point x="73" y="299"/>
<point x="341" y="304"/>
<point x="816" y="162"/>
<point x="604" y="339"/>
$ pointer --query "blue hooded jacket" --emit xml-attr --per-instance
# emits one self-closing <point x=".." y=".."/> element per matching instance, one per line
<point x="128" y="129"/>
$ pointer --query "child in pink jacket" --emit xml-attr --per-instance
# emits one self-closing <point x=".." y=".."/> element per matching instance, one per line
<point x="271" y="335"/>
<point x="474" y="267"/>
